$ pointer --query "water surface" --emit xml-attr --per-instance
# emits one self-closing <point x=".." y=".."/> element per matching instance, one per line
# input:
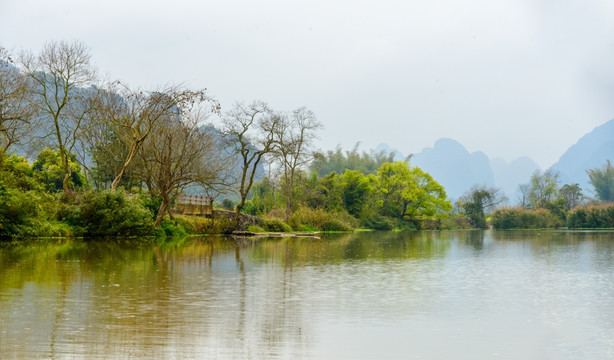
<point x="426" y="295"/>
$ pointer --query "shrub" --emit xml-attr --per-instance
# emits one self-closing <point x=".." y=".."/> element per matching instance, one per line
<point x="111" y="213"/>
<point x="379" y="223"/>
<point x="170" y="228"/>
<point x="22" y="212"/>
<point x="333" y="224"/>
<point x="255" y="229"/>
<point x="456" y="222"/>
<point x="275" y="225"/>
<point x="520" y="218"/>
<point x="228" y="204"/>
<point x="306" y="218"/>
<point x="591" y="217"/>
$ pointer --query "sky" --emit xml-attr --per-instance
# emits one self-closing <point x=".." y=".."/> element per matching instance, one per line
<point x="510" y="78"/>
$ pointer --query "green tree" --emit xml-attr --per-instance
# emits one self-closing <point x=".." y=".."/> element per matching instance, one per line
<point x="63" y="96"/>
<point x="410" y="193"/>
<point x="49" y="170"/>
<point x="543" y="188"/>
<point x="602" y="180"/>
<point x="338" y="161"/>
<point x="479" y="201"/>
<point x="572" y="194"/>
<point x="355" y="189"/>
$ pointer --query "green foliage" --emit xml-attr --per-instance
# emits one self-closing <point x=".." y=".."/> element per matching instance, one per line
<point x="477" y="202"/>
<point x="456" y="222"/>
<point x="112" y="213"/>
<point x="379" y="223"/>
<point x="520" y="218"/>
<point x="275" y="225"/>
<point x="305" y="218"/>
<point x="572" y="195"/>
<point x="170" y="228"/>
<point x="150" y="202"/>
<point x="543" y="188"/>
<point x="22" y="213"/>
<point x="255" y="229"/>
<point x="355" y="188"/>
<point x="410" y="193"/>
<point x="339" y="161"/>
<point x="201" y="225"/>
<point x="48" y="170"/>
<point x="228" y="204"/>
<point x="18" y="173"/>
<point x="591" y="217"/>
<point x="603" y="181"/>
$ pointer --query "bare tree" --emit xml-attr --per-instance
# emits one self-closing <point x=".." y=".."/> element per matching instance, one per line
<point x="293" y="138"/>
<point x="17" y="115"/>
<point x="134" y="114"/>
<point x="63" y="93"/>
<point x="179" y="152"/>
<point x="249" y="131"/>
<point x="523" y="194"/>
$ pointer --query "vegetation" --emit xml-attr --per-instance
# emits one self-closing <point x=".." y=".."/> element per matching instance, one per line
<point x="106" y="160"/>
<point x="602" y="180"/>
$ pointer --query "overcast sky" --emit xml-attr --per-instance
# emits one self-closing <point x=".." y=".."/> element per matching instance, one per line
<point x="507" y="77"/>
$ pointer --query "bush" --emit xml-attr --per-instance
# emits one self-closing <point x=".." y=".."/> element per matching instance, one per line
<point x="336" y="225"/>
<point x="307" y="219"/>
<point x="111" y="213"/>
<point x="228" y="204"/>
<point x="22" y="213"/>
<point x="170" y="228"/>
<point x="379" y="223"/>
<point x="456" y="222"/>
<point x="520" y="218"/>
<point x="591" y="217"/>
<point x="255" y="229"/>
<point x="275" y="225"/>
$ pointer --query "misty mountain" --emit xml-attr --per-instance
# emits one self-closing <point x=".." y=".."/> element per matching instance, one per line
<point x="454" y="167"/>
<point x="591" y="151"/>
<point x="457" y="170"/>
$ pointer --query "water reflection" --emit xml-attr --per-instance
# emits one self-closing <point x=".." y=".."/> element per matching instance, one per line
<point x="531" y="295"/>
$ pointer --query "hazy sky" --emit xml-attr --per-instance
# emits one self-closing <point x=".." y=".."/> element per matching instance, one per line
<point x="508" y="77"/>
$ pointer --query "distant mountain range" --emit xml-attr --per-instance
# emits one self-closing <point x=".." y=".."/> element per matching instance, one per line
<point x="457" y="170"/>
<point x="591" y="151"/>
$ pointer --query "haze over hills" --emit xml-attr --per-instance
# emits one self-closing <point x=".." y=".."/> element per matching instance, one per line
<point x="457" y="170"/>
<point x="591" y="151"/>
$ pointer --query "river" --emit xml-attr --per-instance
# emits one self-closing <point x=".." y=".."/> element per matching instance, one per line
<point x="373" y="295"/>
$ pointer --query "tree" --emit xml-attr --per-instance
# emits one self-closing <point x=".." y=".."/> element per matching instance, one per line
<point x="602" y="180"/>
<point x="410" y="193"/>
<point x="478" y="201"/>
<point x="339" y="161"/>
<point x="543" y="188"/>
<point x="249" y="131"/>
<point x="355" y="190"/>
<point x="179" y="152"/>
<point x="523" y="195"/>
<point x="572" y="194"/>
<point x="62" y="72"/>
<point x="17" y="114"/>
<point x="48" y="170"/>
<point x="293" y="137"/>
<point x="134" y="113"/>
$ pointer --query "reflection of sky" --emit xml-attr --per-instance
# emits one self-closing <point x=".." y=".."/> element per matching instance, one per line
<point x="474" y="295"/>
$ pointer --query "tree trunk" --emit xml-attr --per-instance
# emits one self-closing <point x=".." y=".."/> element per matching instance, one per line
<point x="162" y="211"/>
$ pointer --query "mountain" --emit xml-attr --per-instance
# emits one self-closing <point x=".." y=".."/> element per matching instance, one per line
<point x="457" y="170"/>
<point x="591" y="151"/>
<point x="454" y="167"/>
<point x="509" y="175"/>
